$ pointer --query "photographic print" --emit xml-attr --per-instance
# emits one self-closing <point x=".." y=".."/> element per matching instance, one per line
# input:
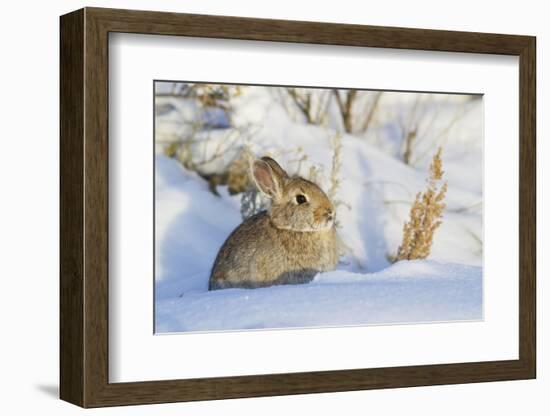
<point x="282" y="207"/>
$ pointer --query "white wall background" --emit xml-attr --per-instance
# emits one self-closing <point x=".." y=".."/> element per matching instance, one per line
<point x="29" y="225"/>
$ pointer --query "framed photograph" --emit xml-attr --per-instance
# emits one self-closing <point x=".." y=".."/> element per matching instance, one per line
<point x="256" y="207"/>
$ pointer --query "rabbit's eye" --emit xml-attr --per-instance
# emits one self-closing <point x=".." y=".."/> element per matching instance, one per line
<point x="301" y="199"/>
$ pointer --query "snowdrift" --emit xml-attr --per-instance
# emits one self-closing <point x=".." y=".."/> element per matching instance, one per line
<point x="407" y="292"/>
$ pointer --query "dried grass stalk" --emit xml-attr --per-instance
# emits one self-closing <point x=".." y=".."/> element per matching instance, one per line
<point x="425" y="215"/>
<point x="336" y="144"/>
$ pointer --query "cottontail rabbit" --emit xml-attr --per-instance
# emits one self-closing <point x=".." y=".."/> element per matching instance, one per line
<point x="289" y="243"/>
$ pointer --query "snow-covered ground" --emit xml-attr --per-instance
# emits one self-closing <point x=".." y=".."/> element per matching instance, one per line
<point x="406" y="292"/>
<point x="375" y="193"/>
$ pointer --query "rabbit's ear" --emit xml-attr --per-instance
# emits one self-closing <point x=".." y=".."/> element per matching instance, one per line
<point x="277" y="169"/>
<point x="268" y="180"/>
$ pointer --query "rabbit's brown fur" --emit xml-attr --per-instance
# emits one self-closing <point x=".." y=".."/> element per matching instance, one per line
<point x="288" y="244"/>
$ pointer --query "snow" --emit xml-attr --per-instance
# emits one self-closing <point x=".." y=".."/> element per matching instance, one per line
<point x="376" y="190"/>
<point x="191" y="225"/>
<point x="406" y="292"/>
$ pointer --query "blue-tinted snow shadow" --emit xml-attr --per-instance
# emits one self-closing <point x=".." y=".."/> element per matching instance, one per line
<point x="371" y="223"/>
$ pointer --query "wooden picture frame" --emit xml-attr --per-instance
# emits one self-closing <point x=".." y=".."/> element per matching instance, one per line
<point x="84" y="207"/>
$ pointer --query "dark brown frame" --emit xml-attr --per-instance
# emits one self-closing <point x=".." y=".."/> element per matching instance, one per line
<point x="84" y="207"/>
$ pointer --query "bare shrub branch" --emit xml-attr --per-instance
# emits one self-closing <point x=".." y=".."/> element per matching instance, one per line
<point x="345" y="105"/>
<point x="302" y="100"/>
<point x="372" y="111"/>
